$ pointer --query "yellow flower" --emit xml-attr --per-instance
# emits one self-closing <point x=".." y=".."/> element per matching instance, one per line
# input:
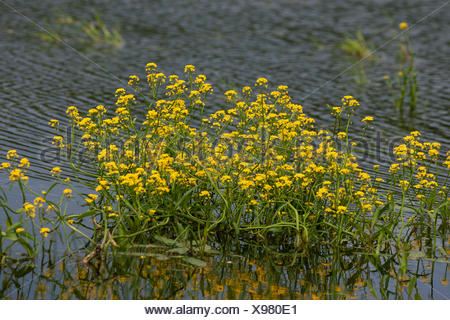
<point x="403" y="184"/>
<point x="19" y="230"/>
<point x="67" y="193"/>
<point x="16" y="175"/>
<point x="341" y="209"/>
<point x="150" y="66"/>
<point x="29" y="209"/>
<point x="189" y="68"/>
<point x="58" y="141"/>
<point x="5" y="165"/>
<point x="11" y="154"/>
<point x="403" y="26"/>
<point x="53" y="122"/>
<point x="341" y="135"/>
<point x="91" y="198"/>
<point x="261" y="81"/>
<point x="55" y="171"/>
<point x="133" y="80"/>
<point x="205" y="194"/>
<point x="38" y="201"/>
<point x="45" y="231"/>
<point x="367" y="119"/>
<point x="226" y="179"/>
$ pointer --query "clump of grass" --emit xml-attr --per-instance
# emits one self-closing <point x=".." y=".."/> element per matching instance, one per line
<point x="98" y="32"/>
<point x="259" y="169"/>
<point x="93" y="31"/>
<point x="356" y="47"/>
<point x="404" y="87"/>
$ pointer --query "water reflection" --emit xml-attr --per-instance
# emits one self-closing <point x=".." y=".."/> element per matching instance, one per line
<point x="253" y="273"/>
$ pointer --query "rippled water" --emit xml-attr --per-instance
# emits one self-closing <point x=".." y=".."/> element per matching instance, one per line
<point x="233" y="42"/>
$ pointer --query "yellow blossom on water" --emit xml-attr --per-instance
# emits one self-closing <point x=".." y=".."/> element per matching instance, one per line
<point x="403" y="26"/>
<point x="45" y="231"/>
<point x="367" y="119"/>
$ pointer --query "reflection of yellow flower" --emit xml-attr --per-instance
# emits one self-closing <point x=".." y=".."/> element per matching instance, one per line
<point x="403" y="26"/>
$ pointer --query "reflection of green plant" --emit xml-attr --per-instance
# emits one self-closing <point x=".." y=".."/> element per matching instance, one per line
<point x="14" y="234"/>
<point x="95" y="31"/>
<point x="404" y="87"/>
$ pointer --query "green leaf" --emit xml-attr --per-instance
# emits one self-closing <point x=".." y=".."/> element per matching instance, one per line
<point x="166" y="241"/>
<point x="11" y="236"/>
<point x="180" y="250"/>
<point x="27" y="246"/>
<point x="23" y="271"/>
<point x="14" y="226"/>
<point x="196" y="262"/>
<point x="378" y="213"/>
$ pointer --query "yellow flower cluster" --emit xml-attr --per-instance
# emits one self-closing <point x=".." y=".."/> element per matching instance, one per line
<point x="261" y="156"/>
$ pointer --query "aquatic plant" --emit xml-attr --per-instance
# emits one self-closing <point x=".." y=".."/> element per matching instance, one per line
<point x="68" y="28"/>
<point x="258" y="171"/>
<point x="404" y="88"/>
<point x="356" y="47"/>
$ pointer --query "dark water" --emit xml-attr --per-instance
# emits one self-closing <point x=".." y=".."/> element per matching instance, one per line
<point x="232" y="42"/>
